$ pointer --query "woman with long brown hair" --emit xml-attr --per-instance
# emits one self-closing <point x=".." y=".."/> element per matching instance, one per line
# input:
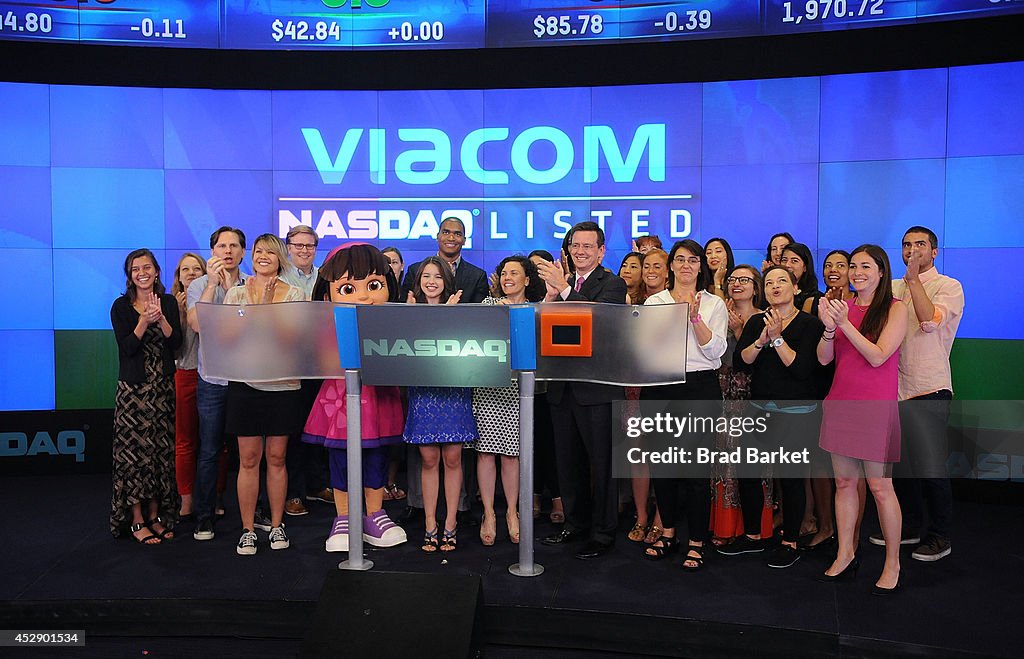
<point x="861" y="426"/>
<point x="148" y="330"/>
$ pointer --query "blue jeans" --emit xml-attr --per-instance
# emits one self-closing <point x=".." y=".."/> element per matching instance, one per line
<point x="211" y="400"/>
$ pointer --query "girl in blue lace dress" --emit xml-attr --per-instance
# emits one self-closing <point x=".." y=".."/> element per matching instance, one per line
<point x="440" y="419"/>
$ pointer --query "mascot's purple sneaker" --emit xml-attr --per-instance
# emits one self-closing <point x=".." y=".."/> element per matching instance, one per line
<point x="338" y="539"/>
<point x="380" y="531"/>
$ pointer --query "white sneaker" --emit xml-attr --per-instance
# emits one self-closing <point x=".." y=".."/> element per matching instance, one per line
<point x="246" y="544"/>
<point x="278" y="538"/>
<point x="338" y="539"/>
<point x="380" y="531"/>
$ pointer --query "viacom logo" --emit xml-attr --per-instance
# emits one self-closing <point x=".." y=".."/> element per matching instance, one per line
<point x="68" y="442"/>
<point x="437" y="348"/>
<point x="410" y="218"/>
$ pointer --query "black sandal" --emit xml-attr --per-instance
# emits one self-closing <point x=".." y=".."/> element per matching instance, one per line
<point x="698" y="559"/>
<point x="166" y="534"/>
<point x="668" y="546"/>
<point x="430" y="543"/>
<point x="449" y="540"/>
<point x="151" y="539"/>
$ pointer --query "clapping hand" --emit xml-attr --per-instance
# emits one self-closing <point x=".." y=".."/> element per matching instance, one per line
<point x="825" y="313"/>
<point x="694" y="302"/>
<point x="834" y="293"/>
<point x="215" y="271"/>
<point x="833" y="313"/>
<point x="913" y="267"/>
<point x="153" y="313"/>
<point x="554" y="276"/>
<point x="720" y="275"/>
<point x="455" y="297"/>
<point x="410" y="298"/>
<point x="772" y="324"/>
<point x="735" y="321"/>
<point x="495" y="285"/>
<point x="182" y="298"/>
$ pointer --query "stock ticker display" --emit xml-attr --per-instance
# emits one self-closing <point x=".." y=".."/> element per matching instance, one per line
<point x="835" y="160"/>
<point x="419" y="24"/>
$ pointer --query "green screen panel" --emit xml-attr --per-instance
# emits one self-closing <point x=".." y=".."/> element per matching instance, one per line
<point x="86" y="369"/>
<point x="988" y="371"/>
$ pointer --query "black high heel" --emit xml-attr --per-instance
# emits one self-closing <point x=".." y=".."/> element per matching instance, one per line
<point x="849" y="573"/>
<point x="878" y="590"/>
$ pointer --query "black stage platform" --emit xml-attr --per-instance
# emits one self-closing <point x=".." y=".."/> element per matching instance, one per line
<point x="62" y="570"/>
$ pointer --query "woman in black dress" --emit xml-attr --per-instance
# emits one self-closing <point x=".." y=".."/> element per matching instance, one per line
<point x="148" y="331"/>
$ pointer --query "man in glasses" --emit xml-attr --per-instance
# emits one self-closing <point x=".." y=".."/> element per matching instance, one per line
<point x="302" y="242"/>
<point x="581" y="412"/>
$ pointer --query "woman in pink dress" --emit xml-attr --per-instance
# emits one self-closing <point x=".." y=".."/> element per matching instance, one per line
<point x="861" y="426"/>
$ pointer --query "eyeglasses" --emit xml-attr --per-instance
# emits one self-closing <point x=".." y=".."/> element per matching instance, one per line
<point x="692" y="260"/>
<point x="739" y="280"/>
<point x="302" y="246"/>
<point x="586" y="247"/>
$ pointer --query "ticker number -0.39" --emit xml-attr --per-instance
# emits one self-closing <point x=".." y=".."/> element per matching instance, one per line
<point x="693" y="20"/>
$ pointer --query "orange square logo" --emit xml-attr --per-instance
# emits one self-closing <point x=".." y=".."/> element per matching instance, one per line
<point x="568" y="334"/>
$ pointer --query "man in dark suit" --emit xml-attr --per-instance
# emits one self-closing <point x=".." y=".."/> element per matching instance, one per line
<point x="472" y="282"/>
<point x="581" y="413"/>
<point x="469" y="279"/>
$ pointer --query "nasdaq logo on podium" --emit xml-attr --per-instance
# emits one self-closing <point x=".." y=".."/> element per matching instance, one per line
<point x="463" y="345"/>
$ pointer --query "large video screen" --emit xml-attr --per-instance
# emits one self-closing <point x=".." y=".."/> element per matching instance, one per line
<point x="90" y="173"/>
<point x="419" y="24"/>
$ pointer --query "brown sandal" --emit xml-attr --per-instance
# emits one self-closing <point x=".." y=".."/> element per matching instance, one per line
<point x="637" y="533"/>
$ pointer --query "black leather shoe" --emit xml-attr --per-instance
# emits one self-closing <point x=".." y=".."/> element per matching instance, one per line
<point x="564" y="536"/>
<point x="593" y="549"/>
<point x="410" y="514"/>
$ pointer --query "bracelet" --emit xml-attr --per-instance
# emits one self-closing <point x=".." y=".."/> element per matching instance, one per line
<point x="831" y="331"/>
<point x="696" y="320"/>
<point x="826" y="339"/>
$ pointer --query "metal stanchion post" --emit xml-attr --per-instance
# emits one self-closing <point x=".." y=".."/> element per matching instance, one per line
<point x="526" y="567"/>
<point x="354" y="432"/>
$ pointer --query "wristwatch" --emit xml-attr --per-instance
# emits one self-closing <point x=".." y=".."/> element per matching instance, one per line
<point x="776" y="343"/>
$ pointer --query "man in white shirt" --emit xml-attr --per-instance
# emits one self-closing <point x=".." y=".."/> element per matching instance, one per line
<point x="934" y="304"/>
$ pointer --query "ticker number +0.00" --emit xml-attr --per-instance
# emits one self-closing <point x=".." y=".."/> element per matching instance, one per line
<point x="562" y="26"/>
<point x="301" y="30"/>
<point x="821" y="10"/>
<point x="30" y="22"/>
<point x="695" y="20"/>
<point x="426" y="31"/>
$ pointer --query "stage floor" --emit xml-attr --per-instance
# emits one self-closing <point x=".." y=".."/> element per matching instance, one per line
<point x="61" y="564"/>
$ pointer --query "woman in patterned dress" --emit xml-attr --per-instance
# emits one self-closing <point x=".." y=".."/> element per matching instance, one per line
<point x="496" y="410"/>
<point x="148" y="331"/>
<point x="440" y="419"/>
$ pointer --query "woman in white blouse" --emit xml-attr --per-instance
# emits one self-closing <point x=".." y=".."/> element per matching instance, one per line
<point x="689" y="276"/>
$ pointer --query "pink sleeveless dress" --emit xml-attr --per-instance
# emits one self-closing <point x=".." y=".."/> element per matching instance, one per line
<point x="861" y="419"/>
